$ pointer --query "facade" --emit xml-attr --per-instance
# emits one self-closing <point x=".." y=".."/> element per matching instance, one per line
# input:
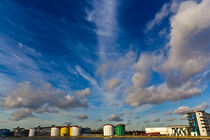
<point x="199" y="122"/>
<point x="160" y="130"/>
<point x="4" y="132"/>
<point x="32" y="132"/>
<point x="108" y="130"/>
<point x="54" y="131"/>
<point x="18" y="132"/>
<point x="120" y="130"/>
<point x="178" y="130"/>
<point x="64" y="131"/>
<point x="75" y="131"/>
<point x="86" y="131"/>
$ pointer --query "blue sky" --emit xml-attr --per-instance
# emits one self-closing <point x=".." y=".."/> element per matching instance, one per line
<point x="142" y="63"/>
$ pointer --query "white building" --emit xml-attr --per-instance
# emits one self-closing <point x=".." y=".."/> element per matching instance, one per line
<point x="32" y="132"/>
<point x="54" y="131"/>
<point x="75" y="131"/>
<point x="161" y="130"/>
<point x="199" y="123"/>
<point x="178" y="130"/>
<point x="108" y="130"/>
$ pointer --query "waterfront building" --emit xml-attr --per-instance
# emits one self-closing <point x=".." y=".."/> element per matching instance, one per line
<point x="32" y="132"/>
<point x="18" y="132"/>
<point x="120" y="130"/>
<point x="54" y="131"/>
<point x="75" y="130"/>
<point x="108" y="130"/>
<point x="178" y="130"/>
<point x="160" y="130"/>
<point x="86" y="131"/>
<point x="4" y="132"/>
<point x="64" y="131"/>
<point x="199" y="122"/>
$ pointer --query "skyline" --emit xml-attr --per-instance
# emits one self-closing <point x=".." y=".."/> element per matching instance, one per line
<point x="141" y="63"/>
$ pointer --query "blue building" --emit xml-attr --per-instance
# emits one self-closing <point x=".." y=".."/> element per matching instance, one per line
<point x="4" y="133"/>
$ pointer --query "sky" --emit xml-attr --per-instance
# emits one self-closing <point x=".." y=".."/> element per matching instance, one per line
<point x="89" y="62"/>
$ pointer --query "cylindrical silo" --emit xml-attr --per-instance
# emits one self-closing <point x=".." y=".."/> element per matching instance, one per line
<point x="32" y="132"/>
<point x="108" y="130"/>
<point x="120" y="130"/>
<point x="70" y="131"/>
<point x="64" y="131"/>
<point x="75" y="130"/>
<point x="54" y="131"/>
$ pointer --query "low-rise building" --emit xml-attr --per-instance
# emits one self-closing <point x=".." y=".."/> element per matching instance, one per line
<point x="161" y="130"/>
<point x="178" y="130"/>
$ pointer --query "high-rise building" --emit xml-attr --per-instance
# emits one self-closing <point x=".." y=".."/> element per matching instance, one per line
<point x="199" y="122"/>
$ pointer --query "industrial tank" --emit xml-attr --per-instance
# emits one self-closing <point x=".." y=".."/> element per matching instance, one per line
<point x="120" y="129"/>
<point x="32" y="132"/>
<point x="70" y="131"/>
<point x="108" y="130"/>
<point x="64" y="131"/>
<point x="54" y="131"/>
<point x="75" y="131"/>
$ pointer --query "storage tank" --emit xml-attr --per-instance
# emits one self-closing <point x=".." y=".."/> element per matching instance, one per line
<point x="64" y="131"/>
<point x="75" y="131"/>
<point x="108" y="130"/>
<point x="120" y="130"/>
<point x="70" y="131"/>
<point x="32" y="132"/>
<point x="4" y="133"/>
<point x="54" y="131"/>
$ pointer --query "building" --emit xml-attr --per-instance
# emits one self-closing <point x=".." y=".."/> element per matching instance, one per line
<point x="86" y="131"/>
<point x="18" y="132"/>
<point x="4" y="132"/>
<point x="160" y="130"/>
<point x="178" y="130"/>
<point x="108" y="130"/>
<point x="32" y="132"/>
<point x="120" y="130"/>
<point x="75" y="130"/>
<point x="54" y="131"/>
<point x="199" y="122"/>
<point x="64" y="131"/>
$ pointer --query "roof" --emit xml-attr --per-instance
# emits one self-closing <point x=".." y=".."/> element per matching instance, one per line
<point x="119" y="125"/>
<point x="178" y="126"/>
<point x="108" y="124"/>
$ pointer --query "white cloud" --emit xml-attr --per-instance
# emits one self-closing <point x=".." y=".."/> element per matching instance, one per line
<point x="188" y="58"/>
<point x="83" y="93"/>
<point x="40" y="99"/>
<point x="166" y="10"/>
<point x="85" y="75"/>
<point x="156" y="119"/>
<point x="183" y="117"/>
<point x="21" y="114"/>
<point x="112" y="84"/>
<point x="82" y="117"/>
<point x="114" y="117"/>
<point x="171" y="119"/>
<point x="189" y="53"/>
<point x="185" y="109"/>
<point x="111" y="67"/>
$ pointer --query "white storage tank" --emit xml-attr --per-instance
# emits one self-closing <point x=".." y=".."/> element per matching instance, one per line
<point x="75" y="130"/>
<point x="54" y="131"/>
<point x="32" y="132"/>
<point x="108" y="130"/>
